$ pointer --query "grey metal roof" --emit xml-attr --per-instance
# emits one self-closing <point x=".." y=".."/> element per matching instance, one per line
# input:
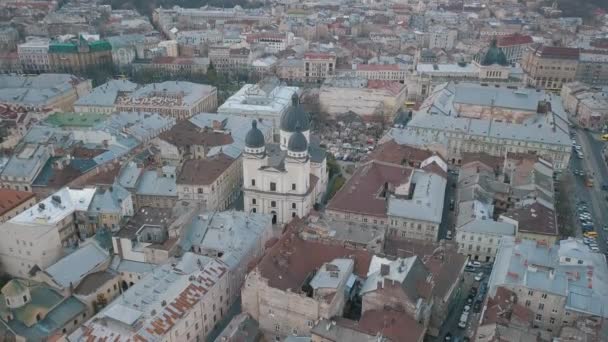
<point x="555" y="270"/>
<point x="488" y="227"/>
<point x="105" y="94"/>
<point x="426" y="203"/>
<point x="153" y="184"/>
<point x="255" y="137"/>
<point x="297" y="142"/>
<point x="72" y="268"/>
<point x="295" y="117"/>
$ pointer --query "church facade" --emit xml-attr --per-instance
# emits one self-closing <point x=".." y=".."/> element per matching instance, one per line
<point x="286" y="179"/>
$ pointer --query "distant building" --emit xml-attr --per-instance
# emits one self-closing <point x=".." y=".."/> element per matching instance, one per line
<point x="102" y="99"/>
<point x="265" y="101"/>
<point x="549" y="67"/>
<point x="43" y="92"/>
<point x="179" y="100"/>
<point x="467" y="117"/>
<point x="34" y="55"/>
<point x="79" y="54"/>
<point x="513" y="46"/>
<point x="371" y="99"/>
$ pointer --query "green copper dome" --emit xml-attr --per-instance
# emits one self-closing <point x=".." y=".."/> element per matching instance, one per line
<point x="494" y="55"/>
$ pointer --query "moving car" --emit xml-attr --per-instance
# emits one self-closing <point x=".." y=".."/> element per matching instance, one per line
<point x="476" y="264"/>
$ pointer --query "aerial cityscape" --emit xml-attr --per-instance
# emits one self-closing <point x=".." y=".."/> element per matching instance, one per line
<point x="303" y="171"/>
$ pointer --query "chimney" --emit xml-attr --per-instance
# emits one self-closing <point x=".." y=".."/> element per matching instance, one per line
<point x="385" y="269"/>
<point x="217" y="125"/>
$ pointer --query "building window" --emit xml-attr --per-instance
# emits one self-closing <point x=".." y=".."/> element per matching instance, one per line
<point x="541" y="306"/>
<point x="253" y="210"/>
<point x="544" y="296"/>
<point x="253" y="182"/>
<point x="539" y="317"/>
<point x="552" y="320"/>
<point x="293" y="186"/>
<point x="528" y="302"/>
<point x="253" y="201"/>
<point x="273" y="204"/>
<point x="530" y="293"/>
<point x="293" y="205"/>
<point x="273" y="186"/>
<point x="277" y="327"/>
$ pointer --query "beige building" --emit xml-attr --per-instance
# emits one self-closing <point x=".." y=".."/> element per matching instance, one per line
<point x="215" y="182"/>
<point x="371" y="99"/>
<point x="289" y="294"/>
<point x="13" y="202"/>
<point x="587" y="106"/>
<point x="380" y="72"/>
<point x="549" y="67"/>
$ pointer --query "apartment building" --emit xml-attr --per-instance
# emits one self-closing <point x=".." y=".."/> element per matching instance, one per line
<point x="549" y="67"/>
<point x="318" y="66"/>
<point x="215" y="181"/>
<point x="102" y="98"/>
<point x="593" y="67"/>
<point x="380" y="72"/>
<point x="24" y="166"/>
<point x="558" y="283"/>
<point x="586" y="105"/>
<point x="184" y="300"/>
<point x="514" y="46"/>
<point x="38" y="235"/>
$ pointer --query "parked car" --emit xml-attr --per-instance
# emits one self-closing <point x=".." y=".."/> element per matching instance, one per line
<point x="475" y="264"/>
<point x="479" y="276"/>
<point x="448" y="235"/>
<point x="477" y="307"/>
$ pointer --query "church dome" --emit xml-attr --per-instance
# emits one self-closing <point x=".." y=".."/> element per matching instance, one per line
<point x="493" y="55"/>
<point x="295" y="116"/>
<point x="255" y="137"/>
<point x="297" y="142"/>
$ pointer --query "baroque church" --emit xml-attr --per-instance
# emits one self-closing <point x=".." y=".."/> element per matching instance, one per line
<point x="288" y="178"/>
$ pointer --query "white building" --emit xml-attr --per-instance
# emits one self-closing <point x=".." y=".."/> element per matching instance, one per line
<point x="102" y="99"/>
<point x="38" y="235"/>
<point x="285" y="179"/>
<point x="267" y="100"/>
<point x="34" y="54"/>
<point x="180" y="301"/>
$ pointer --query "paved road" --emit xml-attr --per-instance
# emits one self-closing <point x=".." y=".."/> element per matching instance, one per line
<point x="592" y="163"/>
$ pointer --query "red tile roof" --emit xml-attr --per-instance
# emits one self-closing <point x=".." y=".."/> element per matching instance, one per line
<point x="557" y="52"/>
<point x="396" y="325"/>
<point x="394" y="153"/>
<point x="185" y="133"/>
<point x="393" y="87"/>
<point x="534" y="219"/>
<point x="318" y="55"/>
<point x="377" y="67"/>
<point x="9" y="199"/>
<point x="514" y="39"/>
<point x="361" y="193"/>
<point x="204" y="171"/>
<point x="289" y="262"/>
